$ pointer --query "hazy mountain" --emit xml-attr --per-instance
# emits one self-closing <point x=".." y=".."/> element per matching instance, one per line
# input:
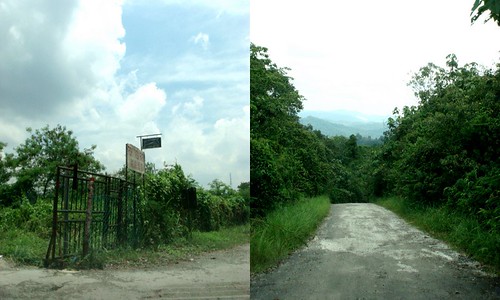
<point x="344" y="117"/>
<point x="345" y="123"/>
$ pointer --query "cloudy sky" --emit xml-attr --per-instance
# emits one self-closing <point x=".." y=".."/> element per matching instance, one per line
<point x="113" y="70"/>
<point x="359" y="55"/>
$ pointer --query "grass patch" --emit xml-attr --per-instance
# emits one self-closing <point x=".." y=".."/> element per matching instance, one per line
<point x="26" y="248"/>
<point x="284" y="230"/>
<point x="180" y="249"/>
<point x="23" y="247"/>
<point x="464" y="233"/>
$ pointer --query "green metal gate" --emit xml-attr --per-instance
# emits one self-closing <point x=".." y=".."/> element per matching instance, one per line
<point x="91" y="212"/>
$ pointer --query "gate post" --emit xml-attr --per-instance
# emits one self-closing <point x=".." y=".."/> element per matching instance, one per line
<point x="51" y="251"/>
<point x="105" y="220"/>
<point x="120" y="225"/>
<point x="88" y="218"/>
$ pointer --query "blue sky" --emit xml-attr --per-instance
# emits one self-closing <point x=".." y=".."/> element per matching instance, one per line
<point x="360" y="55"/>
<point x="113" y="70"/>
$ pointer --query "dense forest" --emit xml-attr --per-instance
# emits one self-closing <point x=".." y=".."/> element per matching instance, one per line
<point x="288" y="159"/>
<point x="445" y="150"/>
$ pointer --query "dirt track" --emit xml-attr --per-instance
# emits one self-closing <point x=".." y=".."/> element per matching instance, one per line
<point x="217" y="275"/>
<point x="363" y="251"/>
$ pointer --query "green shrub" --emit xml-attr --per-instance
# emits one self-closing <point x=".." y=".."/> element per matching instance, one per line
<point x="23" y="246"/>
<point x="478" y="195"/>
<point x="35" y="218"/>
<point x="284" y="230"/>
<point x="214" y="212"/>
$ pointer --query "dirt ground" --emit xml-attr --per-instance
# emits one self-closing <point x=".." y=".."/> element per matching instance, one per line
<point x="217" y="275"/>
<point x="363" y="251"/>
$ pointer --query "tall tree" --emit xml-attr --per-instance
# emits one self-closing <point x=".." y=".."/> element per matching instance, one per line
<point x="481" y="6"/>
<point x="274" y="104"/>
<point x="287" y="159"/>
<point x="446" y="150"/>
<point x="274" y="100"/>
<point x="35" y="162"/>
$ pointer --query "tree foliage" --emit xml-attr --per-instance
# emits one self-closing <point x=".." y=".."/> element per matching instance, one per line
<point x="166" y="216"/>
<point x="33" y="166"/>
<point x="445" y="150"/>
<point x="289" y="159"/>
<point x="481" y="6"/>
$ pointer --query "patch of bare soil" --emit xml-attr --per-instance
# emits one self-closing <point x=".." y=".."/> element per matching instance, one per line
<point x="215" y="275"/>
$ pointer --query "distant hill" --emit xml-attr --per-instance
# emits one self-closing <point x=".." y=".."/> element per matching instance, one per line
<point x="344" y="117"/>
<point x="346" y="127"/>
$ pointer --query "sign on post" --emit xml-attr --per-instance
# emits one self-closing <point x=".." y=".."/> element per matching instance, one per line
<point x="154" y="142"/>
<point x="135" y="159"/>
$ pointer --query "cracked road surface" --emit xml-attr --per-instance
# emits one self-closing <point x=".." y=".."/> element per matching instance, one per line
<point x="217" y="275"/>
<point x="363" y="251"/>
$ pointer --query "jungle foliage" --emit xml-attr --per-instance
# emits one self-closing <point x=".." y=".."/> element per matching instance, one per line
<point x="445" y="151"/>
<point x="290" y="160"/>
<point x="30" y="171"/>
<point x="167" y="218"/>
<point x="484" y="6"/>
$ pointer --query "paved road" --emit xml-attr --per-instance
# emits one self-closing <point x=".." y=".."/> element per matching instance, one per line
<point x="217" y="275"/>
<point x="363" y="251"/>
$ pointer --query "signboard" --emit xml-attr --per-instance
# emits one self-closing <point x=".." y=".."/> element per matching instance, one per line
<point x="154" y="142"/>
<point x="135" y="159"/>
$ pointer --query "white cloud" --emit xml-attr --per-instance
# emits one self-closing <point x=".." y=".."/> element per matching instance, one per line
<point x="201" y="38"/>
<point x="195" y="68"/>
<point x="65" y="65"/>
<point x="216" y="146"/>
<point x="143" y="105"/>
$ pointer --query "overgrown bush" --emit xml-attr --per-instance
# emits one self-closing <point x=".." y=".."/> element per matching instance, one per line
<point x="162" y="204"/>
<point x="35" y="218"/>
<point x="478" y="195"/>
<point x="165" y="216"/>
<point x="214" y="211"/>
<point x="446" y="150"/>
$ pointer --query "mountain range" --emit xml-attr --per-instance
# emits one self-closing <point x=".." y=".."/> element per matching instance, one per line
<point x="345" y="123"/>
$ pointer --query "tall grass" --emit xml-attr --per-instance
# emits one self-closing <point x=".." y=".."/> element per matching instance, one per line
<point x="27" y="248"/>
<point x="23" y="247"/>
<point x="180" y="248"/>
<point x="463" y="232"/>
<point x="285" y="230"/>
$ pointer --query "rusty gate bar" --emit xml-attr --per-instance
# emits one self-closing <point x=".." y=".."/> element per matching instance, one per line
<point x="113" y="210"/>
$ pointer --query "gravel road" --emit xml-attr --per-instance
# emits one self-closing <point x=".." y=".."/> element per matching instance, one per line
<point x="217" y="275"/>
<point x="363" y="251"/>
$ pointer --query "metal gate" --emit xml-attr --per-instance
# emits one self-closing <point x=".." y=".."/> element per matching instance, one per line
<point x="91" y="212"/>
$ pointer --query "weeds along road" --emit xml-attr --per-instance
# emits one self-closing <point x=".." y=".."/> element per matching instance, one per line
<point x="218" y="275"/>
<point x="363" y="251"/>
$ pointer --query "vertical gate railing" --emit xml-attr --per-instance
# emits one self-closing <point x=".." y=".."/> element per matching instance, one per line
<point x="113" y="214"/>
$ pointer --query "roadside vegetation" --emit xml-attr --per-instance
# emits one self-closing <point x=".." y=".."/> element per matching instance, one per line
<point x="284" y="230"/>
<point x="441" y="158"/>
<point x="462" y="232"/>
<point x="27" y="186"/>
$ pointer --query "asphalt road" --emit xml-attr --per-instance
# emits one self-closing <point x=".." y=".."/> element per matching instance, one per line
<point x="217" y="275"/>
<point x="363" y="251"/>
